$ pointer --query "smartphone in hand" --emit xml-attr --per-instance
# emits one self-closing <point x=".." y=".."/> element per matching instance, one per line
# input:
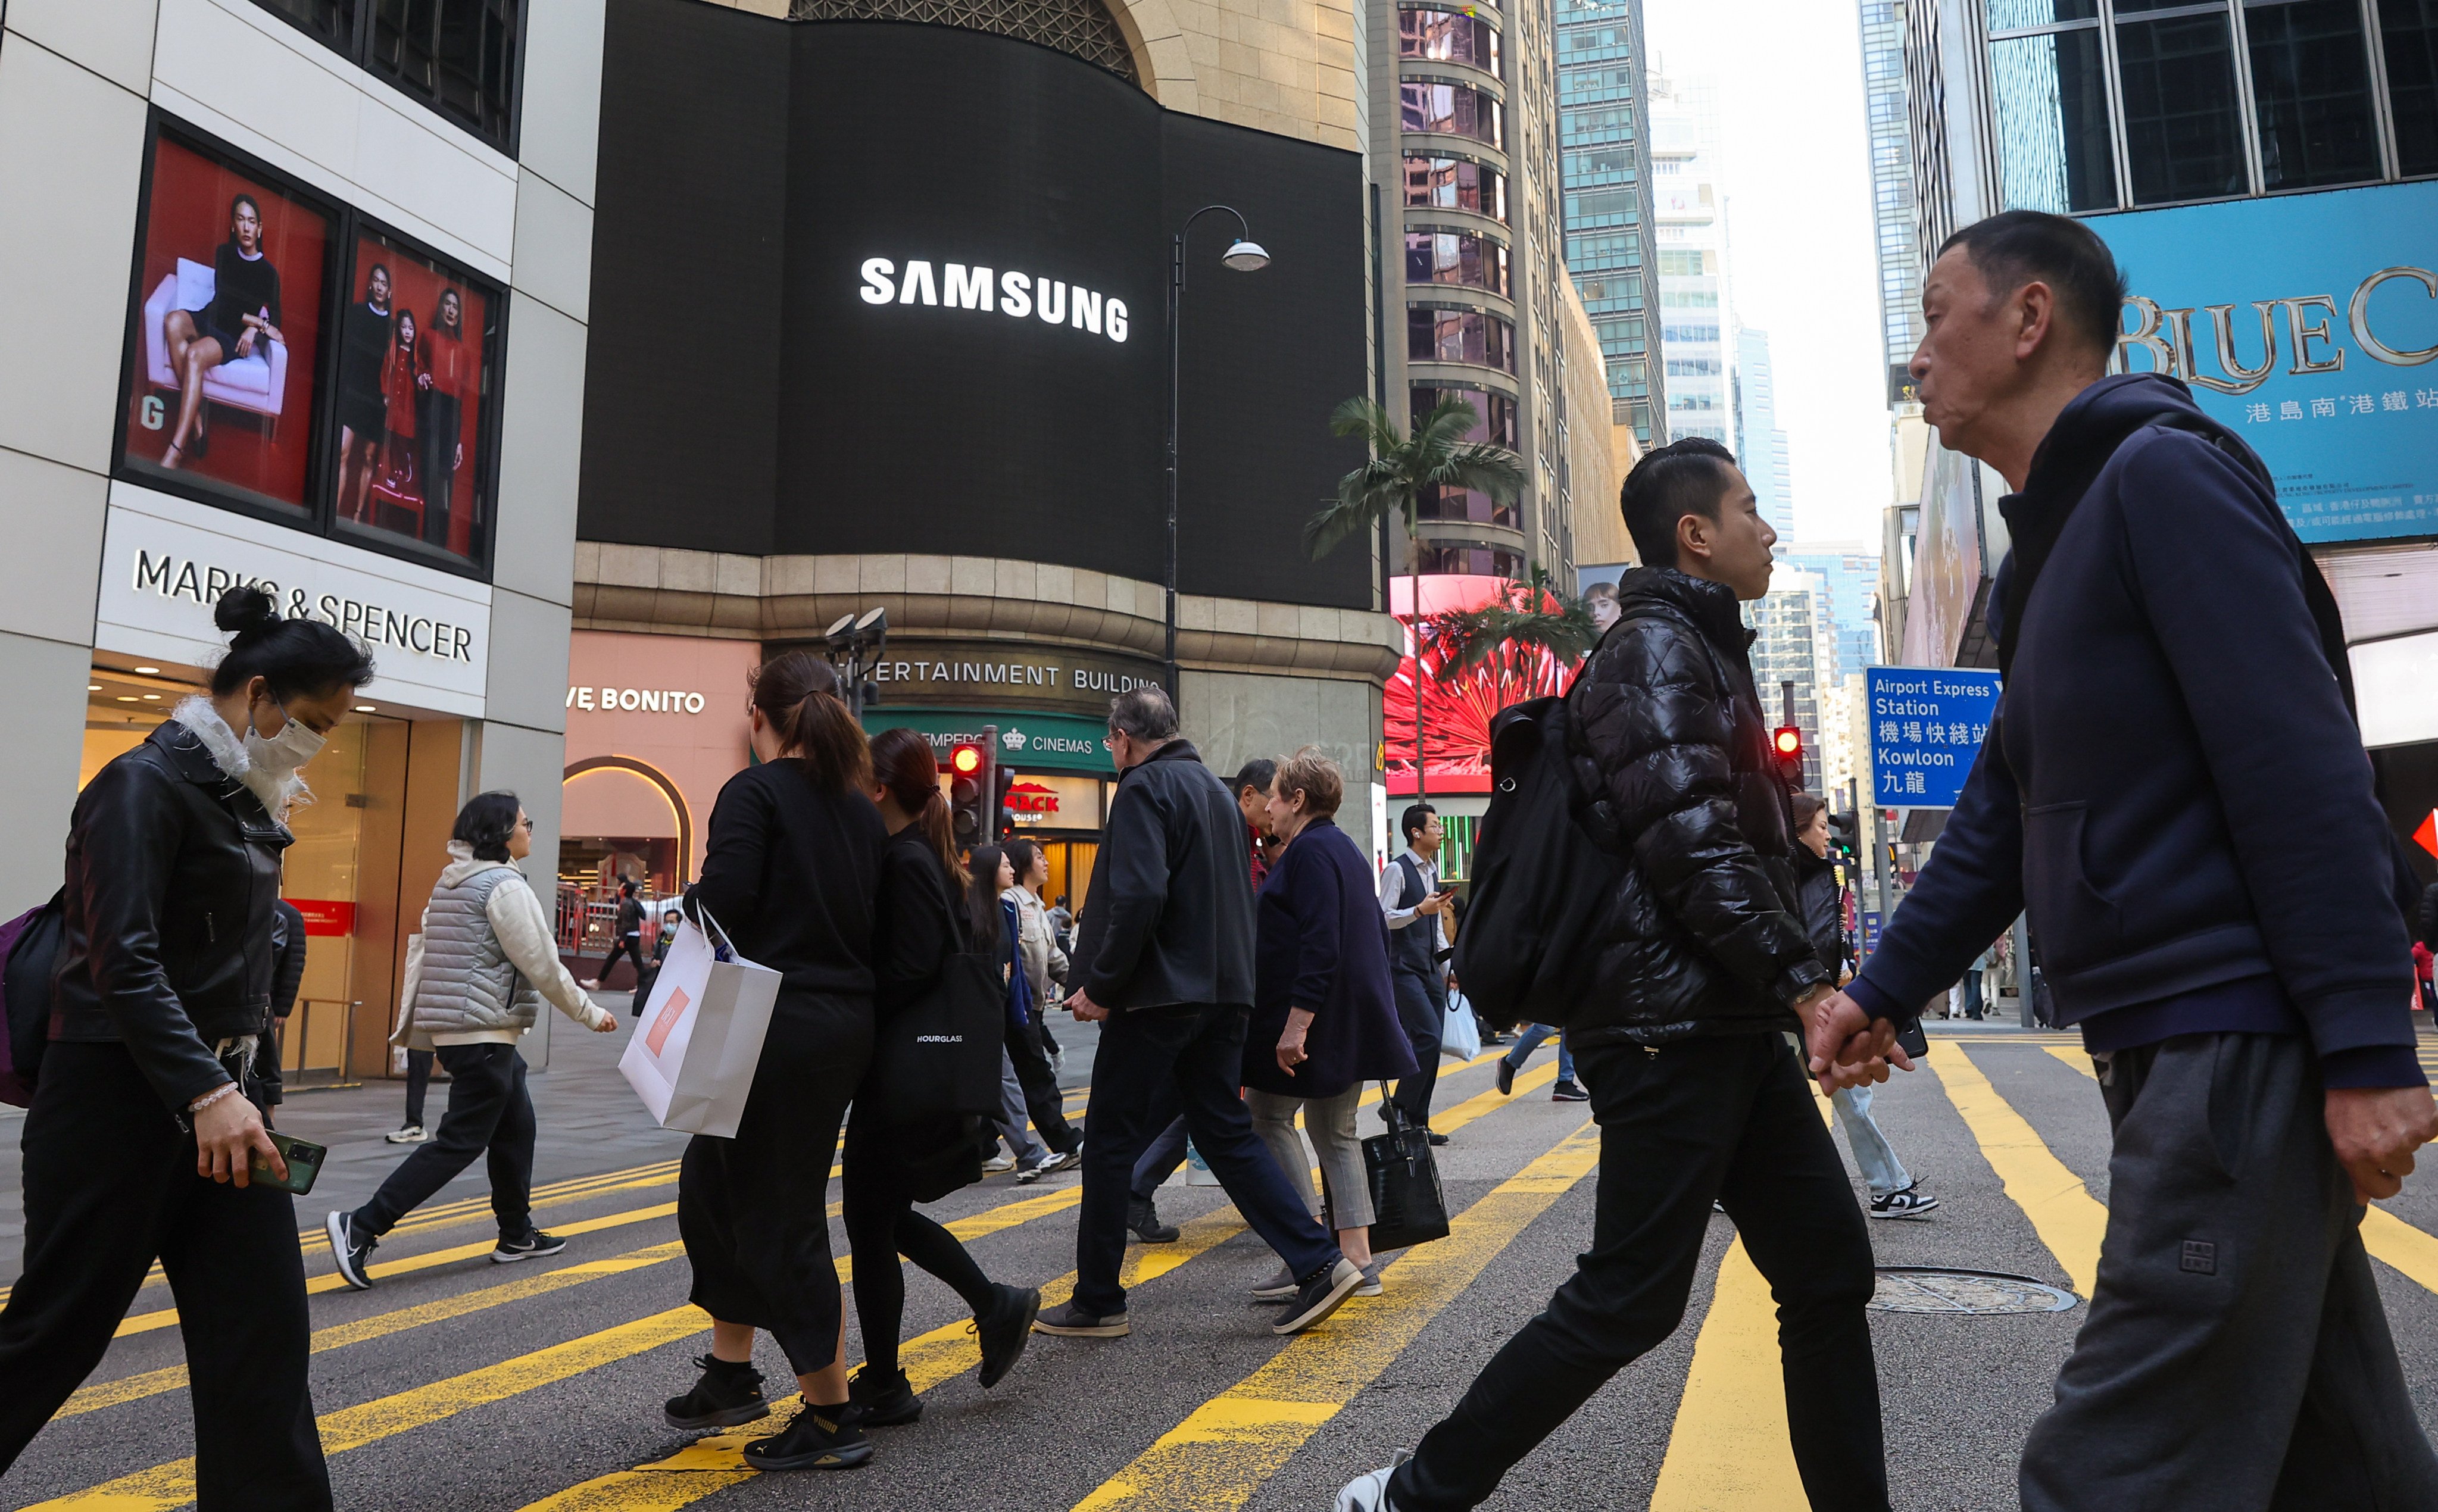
<point x="303" y="1159"/>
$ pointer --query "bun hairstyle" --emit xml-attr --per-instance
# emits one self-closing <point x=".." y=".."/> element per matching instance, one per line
<point x="799" y="695"/>
<point x="904" y="766"/>
<point x="292" y="656"/>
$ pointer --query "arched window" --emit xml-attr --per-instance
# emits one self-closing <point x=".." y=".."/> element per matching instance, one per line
<point x="1081" y="29"/>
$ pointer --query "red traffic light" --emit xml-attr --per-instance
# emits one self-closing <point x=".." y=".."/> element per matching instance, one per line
<point x="966" y="761"/>
<point x="1790" y="741"/>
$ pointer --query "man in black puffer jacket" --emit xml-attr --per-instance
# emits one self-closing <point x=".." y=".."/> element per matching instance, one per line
<point x="1701" y="963"/>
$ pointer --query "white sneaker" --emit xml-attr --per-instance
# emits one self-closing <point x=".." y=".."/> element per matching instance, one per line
<point x="1910" y="1202"/>
<point x="1370" y="1492"/>
<point x="411" y="1134"/>
<point x="998" y="1163"/>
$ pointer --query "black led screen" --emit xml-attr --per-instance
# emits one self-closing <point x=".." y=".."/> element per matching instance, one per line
<point x="827" y="255"/>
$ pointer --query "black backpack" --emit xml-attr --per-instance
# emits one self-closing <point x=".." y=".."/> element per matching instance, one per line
<point x="1539" y="882"/>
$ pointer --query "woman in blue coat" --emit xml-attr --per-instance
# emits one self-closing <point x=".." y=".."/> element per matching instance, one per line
<point x="1324" y="1016"/>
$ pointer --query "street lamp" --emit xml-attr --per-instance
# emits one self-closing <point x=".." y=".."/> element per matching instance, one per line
<point x="1244" y="255"/>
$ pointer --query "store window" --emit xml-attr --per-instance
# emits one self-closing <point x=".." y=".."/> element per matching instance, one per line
<point x="291" y="358"/>
<point x="1456" y="109"/>
<point x="1444" y="37"/>
<point x="1455" y="257"/>
<point x="2310" y="83"/>
<point x="2054" y="151"/>
<point x="232" y="267"/>
<point x="1459" y="335"/>
<point x="458" y="56"/>
<point x="1496" y="411"/>
<point x="2183" y="129"/>
<point x="1455" y="183"/>
<point x="342" y="872"/>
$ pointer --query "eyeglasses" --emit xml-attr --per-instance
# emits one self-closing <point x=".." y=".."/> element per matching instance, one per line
<point x="525" y="825"/>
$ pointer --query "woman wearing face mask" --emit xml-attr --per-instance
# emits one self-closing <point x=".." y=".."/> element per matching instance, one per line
<point x="476" y="974"/>
<point x="140" y="1140"/>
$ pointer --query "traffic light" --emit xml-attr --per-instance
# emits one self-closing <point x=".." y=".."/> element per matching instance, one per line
<point x="968" y="769"/>
<point x="1786" y="742"/>
<point x="1003" y="810"/>
<point x="1845" y="838"/>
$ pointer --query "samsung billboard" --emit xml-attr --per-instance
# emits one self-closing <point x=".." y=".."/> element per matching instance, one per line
<point x="881" y="288"/>
<point x="2308" y="323"/>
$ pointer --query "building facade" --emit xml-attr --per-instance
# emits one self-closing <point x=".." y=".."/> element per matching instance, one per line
<point x="1766" y="460"/>
<point x="1611" y="225"/>
<point x="1696" y="295"/>
<point x="310" y="305"/>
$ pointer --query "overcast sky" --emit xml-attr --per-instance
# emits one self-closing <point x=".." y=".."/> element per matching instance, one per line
<point x="1789" y="78"/>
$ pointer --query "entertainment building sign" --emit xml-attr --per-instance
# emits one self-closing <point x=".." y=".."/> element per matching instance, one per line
<point x="994" y="674"/>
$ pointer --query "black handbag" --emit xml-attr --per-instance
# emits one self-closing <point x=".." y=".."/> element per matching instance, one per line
<point x="1407" y="1207"/>
<point x="938" y="1056"/>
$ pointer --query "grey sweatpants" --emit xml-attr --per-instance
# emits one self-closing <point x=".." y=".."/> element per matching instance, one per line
<point x="1330" y="1122"/>
<point x="2236" y="1355"/>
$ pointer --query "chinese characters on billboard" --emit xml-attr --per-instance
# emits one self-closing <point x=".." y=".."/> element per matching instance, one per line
<point x="2306" y="322"/>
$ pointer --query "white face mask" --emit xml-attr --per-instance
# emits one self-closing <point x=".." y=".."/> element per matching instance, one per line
<point x="282" y="753"/>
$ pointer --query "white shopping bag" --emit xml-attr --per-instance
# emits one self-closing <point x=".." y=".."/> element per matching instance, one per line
<point x="1459" y="1035"/>
<point x="696" y="1043"/>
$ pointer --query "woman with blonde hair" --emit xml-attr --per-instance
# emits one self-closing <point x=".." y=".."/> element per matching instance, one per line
<point x="790" y="872"/>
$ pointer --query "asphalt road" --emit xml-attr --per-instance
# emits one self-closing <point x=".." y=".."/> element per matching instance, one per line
<point x="458" y="1385"/>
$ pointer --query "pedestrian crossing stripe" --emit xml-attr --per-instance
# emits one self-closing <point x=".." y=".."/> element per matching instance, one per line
<point x="2066" y="1216"/>
<point x="1226" y="1449"/>
<point x="717" y="1461"/>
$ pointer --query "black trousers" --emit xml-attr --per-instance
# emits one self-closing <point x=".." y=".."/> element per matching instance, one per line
<point x="419" y="1081"/>
<point x="631" y="945"/>
<point x="1422" y="1008"/>
<point x="109" y="1185"/>
<point x="2237" y="1353"/>
<point x="439" y="425"/>
<point x="1042" y="1099"/>
<point x="490" y="1113"/>
<point x="753" y="1210"/>
<point x="1199" y="1049"/>
<point x="1730" y="1119"/>
<point x="881" y="1224"/>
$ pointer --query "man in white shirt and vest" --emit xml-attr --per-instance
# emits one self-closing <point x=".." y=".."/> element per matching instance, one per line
<point x="1416" y="903"/>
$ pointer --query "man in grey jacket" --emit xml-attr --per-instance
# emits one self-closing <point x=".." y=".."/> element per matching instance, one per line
<point x="1166" y="964"/>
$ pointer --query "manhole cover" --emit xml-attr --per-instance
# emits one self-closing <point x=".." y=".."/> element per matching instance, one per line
<point x="1980" y="1294"/>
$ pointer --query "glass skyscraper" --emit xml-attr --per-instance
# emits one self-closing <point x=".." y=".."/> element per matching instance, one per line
<point x="1604" y="152"/>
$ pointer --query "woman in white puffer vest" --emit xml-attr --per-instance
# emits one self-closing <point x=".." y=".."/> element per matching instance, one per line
<point x="475" y="978"/>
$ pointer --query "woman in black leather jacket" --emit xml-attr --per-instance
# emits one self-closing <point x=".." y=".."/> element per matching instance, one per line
<point x="141" y="1136"/>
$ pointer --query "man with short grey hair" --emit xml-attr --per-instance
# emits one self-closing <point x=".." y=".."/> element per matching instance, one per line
<point x="1165" y="963"/>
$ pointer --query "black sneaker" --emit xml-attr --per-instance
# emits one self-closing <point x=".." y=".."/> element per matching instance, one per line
<point x="819" y="1440"/>
<point x="351" y="1250"/>
<point x="532" y="1247"/>
<point x="874" y="1400"/>
<point x="1568" y="1092"/>
<point x="1068" y="1321"/>
<point x="1322" y="1294"/>
<point x="1910" y="1202"/>
<point x="728" y="1393"/>
<point x="1144" y="1219"/>
<point x="1006" y="1330"/>
<point x="1505" y="1076"/>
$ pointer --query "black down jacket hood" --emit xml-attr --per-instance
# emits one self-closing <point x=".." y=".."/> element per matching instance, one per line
<point x="1704" y="934"/>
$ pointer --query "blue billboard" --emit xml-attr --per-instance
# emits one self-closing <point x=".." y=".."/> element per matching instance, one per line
<point x="2305" y="322"/>
<point x="1927" y="725"/>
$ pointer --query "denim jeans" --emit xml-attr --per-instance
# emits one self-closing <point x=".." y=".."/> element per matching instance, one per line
<point x="1530" y="1040"/>
<point x="1872" y="1151"/>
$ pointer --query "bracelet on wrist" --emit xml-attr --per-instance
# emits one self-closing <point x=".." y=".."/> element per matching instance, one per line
<point x="225" y="1089"/>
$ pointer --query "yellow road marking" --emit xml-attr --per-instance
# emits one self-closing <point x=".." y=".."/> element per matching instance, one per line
<point x="167" y="1487"/>
<point x="2405" y="1246"/>
<point x="1729" y="1448"/>
<point x="1216" y="1459"/>
<point x="2068" y="1218"/>
<point x="153" y="1382"/>
<point x="717" y="1461"/>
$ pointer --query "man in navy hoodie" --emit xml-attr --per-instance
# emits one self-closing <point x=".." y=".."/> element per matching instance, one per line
<point x="2177" y="794"/>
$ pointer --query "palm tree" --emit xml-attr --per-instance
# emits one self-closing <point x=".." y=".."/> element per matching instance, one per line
<point x="1524" y="618"/>
<point x="1402" y="470"/>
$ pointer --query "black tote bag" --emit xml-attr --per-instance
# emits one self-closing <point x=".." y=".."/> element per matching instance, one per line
<point x="938" y="1056"/>
<point x="1407" y="1206"/>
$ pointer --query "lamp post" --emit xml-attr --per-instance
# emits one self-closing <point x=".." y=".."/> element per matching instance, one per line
<point x="1244" y="255"/>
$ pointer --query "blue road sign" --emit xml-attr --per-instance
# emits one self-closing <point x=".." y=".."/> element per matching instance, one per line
<point x="1927" y="724"/>
<point x="1870" y="932"/>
